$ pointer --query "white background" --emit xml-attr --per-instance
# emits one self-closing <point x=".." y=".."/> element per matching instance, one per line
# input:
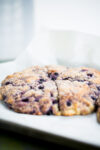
<point x="78" y="15"/>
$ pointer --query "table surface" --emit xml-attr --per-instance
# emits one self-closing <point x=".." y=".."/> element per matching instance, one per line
<point x="15" y="141"/>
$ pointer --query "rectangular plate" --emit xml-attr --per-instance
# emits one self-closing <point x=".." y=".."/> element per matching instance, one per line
<point x="84" y="129"/>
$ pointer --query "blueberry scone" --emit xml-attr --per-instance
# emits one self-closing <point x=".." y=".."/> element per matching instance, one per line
<point x="75" y="98"/>
<point x="82" y="74"/>
<point x="79" y="91"/>
<point x="30" y="91"/>
<point x="56" y="90"/>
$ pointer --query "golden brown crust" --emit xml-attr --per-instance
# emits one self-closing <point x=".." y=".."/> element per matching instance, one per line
<point x="64" y="91"/>
<point x="98" y="114"/>
<point x="30" y="91"/>
<point x="74" y="98"/>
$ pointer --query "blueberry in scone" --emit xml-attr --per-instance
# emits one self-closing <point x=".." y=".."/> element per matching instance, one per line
<point x="54" y="71"/>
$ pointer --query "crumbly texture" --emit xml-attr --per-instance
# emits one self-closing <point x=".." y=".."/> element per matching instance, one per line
<point x="37" y="99"/>
<point x="26" y="76"/>
<point x="31" y="91"/>
<point x="75" y="98"/>
<point x="56" y="90"/>
<point x="82" y="74"/>
<point x="55" y="71"/>
<point x="79" y="91"/>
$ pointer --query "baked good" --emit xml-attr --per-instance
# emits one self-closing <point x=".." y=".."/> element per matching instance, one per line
<point x="55" y="71"/>
<point x="75" y="98"/>
<point x="30" y="91"/>
<point x="81" y="74"/>
<point x="79" y="90"/>
<point x="56" y="90"/>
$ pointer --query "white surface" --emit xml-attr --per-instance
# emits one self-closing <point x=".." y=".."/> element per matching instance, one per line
<point x="81" y="128"/>
<point x="19" y="20"/>
<point x="75" y="48"/>
<point x="78" y="15"/>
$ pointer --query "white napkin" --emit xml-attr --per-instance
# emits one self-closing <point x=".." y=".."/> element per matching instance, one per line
<point x="37" y="53"/>
<point x="57" y="47"/>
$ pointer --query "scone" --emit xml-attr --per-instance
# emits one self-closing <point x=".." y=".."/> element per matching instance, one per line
<point x="75" y="98"/>
<point x="82" y="84"/>
<point x="31" y="91"/>
<point x="56" y="90"/>
<point x="82" y="74"/>
<point x="36" y="73"/>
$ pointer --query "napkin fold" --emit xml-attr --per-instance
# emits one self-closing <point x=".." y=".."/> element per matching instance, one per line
<point x="37" y="53"/>
<point x="56" y="47"/>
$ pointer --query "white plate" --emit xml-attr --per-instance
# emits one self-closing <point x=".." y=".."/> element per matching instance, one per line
<point x="84" y="129"/>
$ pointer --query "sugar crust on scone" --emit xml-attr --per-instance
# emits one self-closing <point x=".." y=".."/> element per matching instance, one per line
<point x="56" y="90"/>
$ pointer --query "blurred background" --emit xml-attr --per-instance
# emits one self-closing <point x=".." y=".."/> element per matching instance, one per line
<point x="16" y="27"/>
<point x="20" y="20"/>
